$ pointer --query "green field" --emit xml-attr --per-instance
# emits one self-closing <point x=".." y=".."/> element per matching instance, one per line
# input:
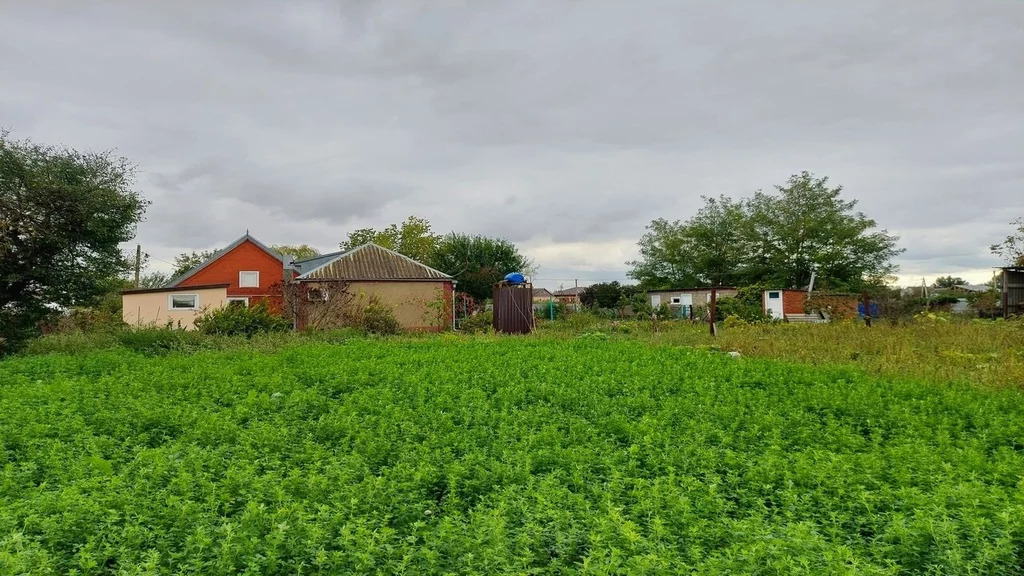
<point x="500" y="455"/>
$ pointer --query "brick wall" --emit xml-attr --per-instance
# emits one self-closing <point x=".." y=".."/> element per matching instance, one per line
<point x="793" y="301"/>
<point x="248" y="257"/>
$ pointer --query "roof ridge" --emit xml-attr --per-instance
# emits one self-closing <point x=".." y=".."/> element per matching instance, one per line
<point x="363" y="247"/>
<point x="218" y="253"/>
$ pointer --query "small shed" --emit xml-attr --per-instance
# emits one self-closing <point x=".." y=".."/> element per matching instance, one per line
<point x="1013" y="291"/>
<point x="513" y="308"/>
<point x="780" y="304"/>
<point x="682" y="300"/>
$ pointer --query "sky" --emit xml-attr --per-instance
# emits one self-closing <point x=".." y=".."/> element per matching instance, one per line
<point x="564" y="126"/>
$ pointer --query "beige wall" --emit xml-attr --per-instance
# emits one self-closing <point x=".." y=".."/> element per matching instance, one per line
<point x="699" y="297"/>
<point x="408" y="300"/>
<point x="151" y="308"/>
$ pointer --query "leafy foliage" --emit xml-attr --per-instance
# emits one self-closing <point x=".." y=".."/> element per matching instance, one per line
<point x="63" y="216"/>
<point x="477" y="262"/>
<point x="510" y="455"/>
<point x="188" y="260"/>
<point x="1011" y="250"/>
<point x="775" y="239"/>
<point x="413" y="238"/>
<point x="296" y="251"/>
<point x="240" y="320"/>
<point x="946" y="282"/>
<point x="608" y="295"/>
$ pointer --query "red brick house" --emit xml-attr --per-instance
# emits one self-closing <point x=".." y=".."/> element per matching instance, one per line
<point x="250" y="269"/>
<point x="242" y="273"/>
<point x="782" y="303"/>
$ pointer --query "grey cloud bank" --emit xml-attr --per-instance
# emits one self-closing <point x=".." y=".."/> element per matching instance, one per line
<point x="564" y="126"/>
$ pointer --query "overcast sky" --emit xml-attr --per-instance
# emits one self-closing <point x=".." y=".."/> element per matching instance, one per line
<point x="563" y="126"/>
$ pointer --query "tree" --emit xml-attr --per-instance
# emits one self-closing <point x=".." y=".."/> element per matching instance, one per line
<point x="188" y="260"/>
<point x="705" y="250"/>
<point x="296" y="251"/>
<point x="947" y="282"/>
<point x="807" y="226"/>
<point x="477" y="262"/>
<point x="605" y="295"/>
<point x="153" y="280"/>
<point x="773" y="238"/>
<point x="63" y="216"/>
<point x="412" y="238"/>
<point x="1011" y="250"/>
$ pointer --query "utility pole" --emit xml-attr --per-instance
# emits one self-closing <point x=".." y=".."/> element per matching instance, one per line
<point x="138" y="263"/>
<point x="714" y="300"/>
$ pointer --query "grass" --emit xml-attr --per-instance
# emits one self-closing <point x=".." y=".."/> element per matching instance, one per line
<point x="454" y="455"/>
<point x="985" y="353"/>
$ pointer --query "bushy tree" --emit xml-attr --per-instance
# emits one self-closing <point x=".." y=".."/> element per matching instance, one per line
<point x="296" y="251"/>
<point x="413" y="238"/>
<point x="63" y="217"/>
<point x="1011" y="250"/>
<point x="947" y="282"/>
<point x="773" y="238"/>
<point x="188" y="260"/>
<point x="477" y="262"/>
<point x="607" y="295"/>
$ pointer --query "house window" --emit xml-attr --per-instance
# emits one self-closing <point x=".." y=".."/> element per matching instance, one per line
<point x="677" y="300"/>
<point x="773" y="294"/>
<point x="183" y="302"/>
<point x="243" y="302"/>
<point x="248" y="279"/>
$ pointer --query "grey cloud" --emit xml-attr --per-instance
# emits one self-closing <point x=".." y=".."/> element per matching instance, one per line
<point x="565" y="121"/>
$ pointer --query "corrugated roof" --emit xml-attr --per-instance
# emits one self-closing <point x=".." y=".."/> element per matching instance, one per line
<point x="308" y="264"/>
<point x="574" y="291"/>
<point x="373" y="262"/>
<point x="179" y="279"/>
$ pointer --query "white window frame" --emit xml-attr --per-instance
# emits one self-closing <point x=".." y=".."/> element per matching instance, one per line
<point x="677" y="300"/>
<point x="244" y="299"/>
<point x="171" y="297"/>
<point x="242" y="273"/>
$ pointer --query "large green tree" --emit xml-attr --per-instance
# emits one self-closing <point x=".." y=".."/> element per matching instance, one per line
<point x="776" y="238"/>
<point x="413" y="238"/>
<point x="477" y="262"/>
<point x="946" y="282"/>
<point x="1011" y="250"/>
<point x="707" y="249"/>
<point x="63" y="217"/>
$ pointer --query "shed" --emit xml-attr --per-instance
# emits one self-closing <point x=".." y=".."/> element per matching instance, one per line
<point x="682" y="300"/>
<point x="1012" y="291"/>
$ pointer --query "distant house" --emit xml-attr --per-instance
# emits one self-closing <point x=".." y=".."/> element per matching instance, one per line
<point x="682" y="301"/>
<point x="970" y="288"/>
<point x="542" y="294"/>
<point x="417" y="293"/>
<point x="242" y="273"/>
<point x="570" y="296"/>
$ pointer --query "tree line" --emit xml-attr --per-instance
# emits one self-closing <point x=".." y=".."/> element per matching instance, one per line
<point x="64" y="216"/>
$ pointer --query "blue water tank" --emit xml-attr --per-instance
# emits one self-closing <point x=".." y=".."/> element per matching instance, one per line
<point x="514" y="278"/>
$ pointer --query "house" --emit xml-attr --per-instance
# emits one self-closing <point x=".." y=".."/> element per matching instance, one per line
<point x="682" y="301"/>
<point x="1012" y="291"/>
<point x="420" y="296"/>
<point x="570" y="296"/>
<point x="783" y="304"/>
<point x="542" y="295"/>
<point x="801" y="306"/>
<point x="242" y="273"/>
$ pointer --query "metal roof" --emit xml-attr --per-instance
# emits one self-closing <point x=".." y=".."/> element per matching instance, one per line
<point x="173" y="289"/>
<point x="179" y="279"/>
<point x="373" y="262"/>
<point x="574" y="291"/>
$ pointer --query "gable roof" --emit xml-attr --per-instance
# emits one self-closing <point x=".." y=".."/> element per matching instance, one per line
<point x="542" y="293"/>
<point x="574" y="291"/>
<point x="372" y="262"/>
<point x="216" y="255"/>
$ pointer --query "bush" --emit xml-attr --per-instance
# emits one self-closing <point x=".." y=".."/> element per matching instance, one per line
<point x="241" y="321"/>
<point x="479" y="322"/>
<point x="378" y="318"/>
<point x="158" y="340"/>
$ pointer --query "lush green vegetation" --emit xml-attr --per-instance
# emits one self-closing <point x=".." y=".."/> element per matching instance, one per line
<point x="499" y="455"/>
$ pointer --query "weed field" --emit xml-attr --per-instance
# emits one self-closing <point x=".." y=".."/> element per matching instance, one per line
<point x="500" y="456"/>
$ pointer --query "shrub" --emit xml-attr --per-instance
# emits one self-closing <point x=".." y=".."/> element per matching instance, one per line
<point x="371" y="315"/>
<point x="241" y="321"/>
<point x="479" y="322"/>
